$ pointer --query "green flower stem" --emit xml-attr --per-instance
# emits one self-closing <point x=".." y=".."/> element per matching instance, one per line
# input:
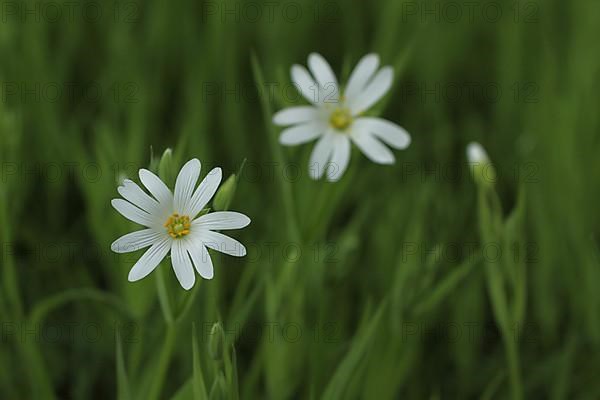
<point x="169" y="339"/>
<point x="189" y="301"/>
<point x="163" y="363"/>
<point x="330" y="200"/>
<point x="163" y="296"/>
<point x="172" y="322"/>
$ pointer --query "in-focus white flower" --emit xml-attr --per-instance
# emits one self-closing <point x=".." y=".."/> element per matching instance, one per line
<point x="172" y="226"/>
<point x="335" y="118"/>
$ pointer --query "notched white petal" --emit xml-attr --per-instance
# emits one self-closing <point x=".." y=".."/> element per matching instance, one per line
<point x="186" y="183"/>
<point x="159" y="190"/>
<point x="222" y="243"/>
<point x="295" y="115"/>
<point x="182" y="265"/>
<point x="324" y="75"/>
<point x="134" y="194"/>
<point x="133" y="213"/>
<point x="222" y="220"/>
<point x="201" y="258"/>
<point x="205" y="191"/>
<point x="390" y="133"/>
<point x="301" y="133"/>
<point x="362" y="74"/>
<point x="371" y="147"/>
<point x="320" y="156"/>
<point x="373" y="92"/>
<point x="305" y="84"/>
<point x="149" y="260"/>
<point x="339" y="159"/>
<point x="135" y="241"/>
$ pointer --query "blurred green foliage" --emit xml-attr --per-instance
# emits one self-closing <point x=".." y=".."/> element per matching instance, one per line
<point x="385" y="285"/>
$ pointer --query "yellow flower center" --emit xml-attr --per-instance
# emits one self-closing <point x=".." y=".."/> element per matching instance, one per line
<point x="178" y="225"/>
<point x="340" y="119"/>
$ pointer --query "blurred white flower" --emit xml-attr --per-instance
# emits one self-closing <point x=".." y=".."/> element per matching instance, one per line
<point x="172" y="226"/>
<point x="335" y="118"/>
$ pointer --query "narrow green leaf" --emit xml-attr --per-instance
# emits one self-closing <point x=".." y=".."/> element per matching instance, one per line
<point x="199" y="387"/>
<point x="514" y="261"/>
<point x="446" y="286"/>
<point x="123" y="390"/>
<point x="360" y="345"/>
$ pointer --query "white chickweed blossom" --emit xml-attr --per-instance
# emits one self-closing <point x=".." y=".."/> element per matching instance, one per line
<point x="335" y="118"/>
<point x="172" y="226"/>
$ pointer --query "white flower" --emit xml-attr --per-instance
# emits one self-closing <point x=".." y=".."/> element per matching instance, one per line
<point x="336" y="119"/>
<point x="171" y="224"/>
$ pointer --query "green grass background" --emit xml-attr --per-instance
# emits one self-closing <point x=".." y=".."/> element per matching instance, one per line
<point x="377" y="318"/>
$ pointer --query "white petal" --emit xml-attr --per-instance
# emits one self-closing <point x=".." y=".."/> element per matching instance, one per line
<point x="149" y="260"/>
<point x="185" y="184"/>
<point x="302" y="133"/>
<point x="339" y="159"/>
<point x="182" y="265"/>
<point x="362" y="74"/>
<point x="134" y="194"/>
<point x="375" y="90"/>
<point x="320" y="156"/>
<point x="221" y="243"/>
<point x="159" y="190"/>
<point x="390" y="133"/>
<point x="324" y="75"/>
<point x="133" y="213"/>
<point x="135" y="241"/>
<point x="206" y="190"/>
<point x="222" y="220"/>
<point x="200" y="257"/>
<point x="295" y="115"/>
<point x="305" y="84"/>
<point x="372" y="147"/>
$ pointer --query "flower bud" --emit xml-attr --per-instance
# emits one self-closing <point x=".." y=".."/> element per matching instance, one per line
<point x="482" y="168"/>
<point x="225" y="194"/>
<point x="216" y="342"/>
<point x="165" y="167"/>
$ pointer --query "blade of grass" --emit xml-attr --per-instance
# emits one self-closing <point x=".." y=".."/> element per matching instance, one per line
<point x="284" y="186"/>
<point x="123" y="389"/>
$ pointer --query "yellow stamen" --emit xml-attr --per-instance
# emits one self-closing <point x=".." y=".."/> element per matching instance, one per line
<point x="178" y="225"/>
<point x="340" y="119"/>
